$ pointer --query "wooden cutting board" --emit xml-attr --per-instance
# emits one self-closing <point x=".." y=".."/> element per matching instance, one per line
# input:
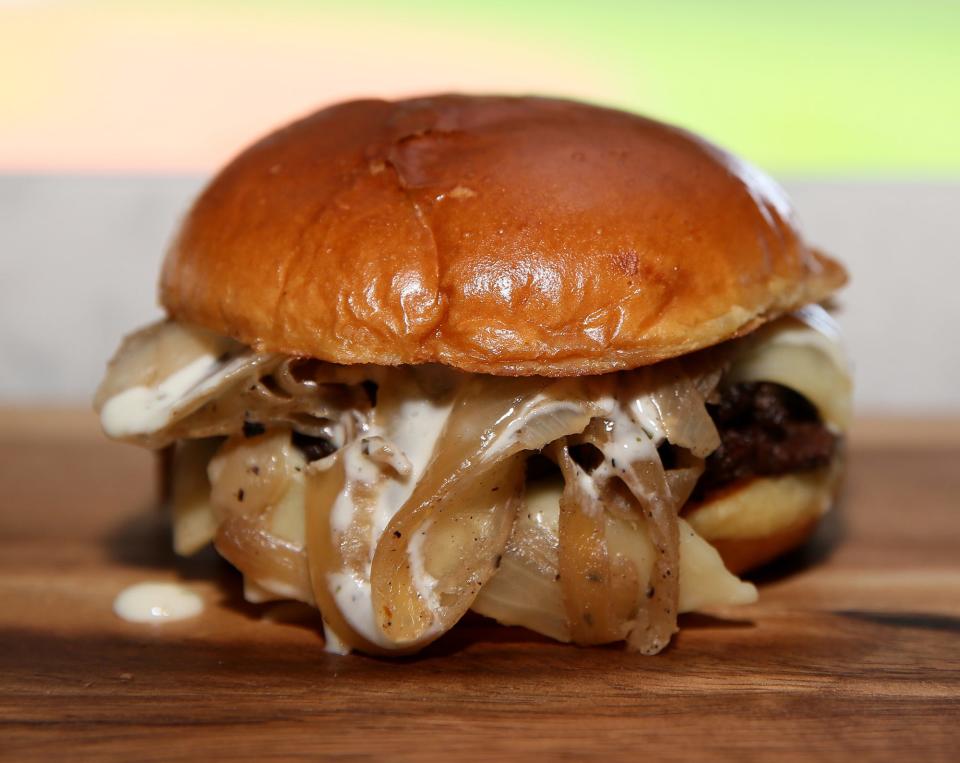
<point x="852" y="651"/>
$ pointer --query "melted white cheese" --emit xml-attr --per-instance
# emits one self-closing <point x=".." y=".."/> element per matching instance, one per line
<point x="705" y="581"/>
<point x="524" y="593"/>
<point x="803" y="352"/>
<point x="194" y="521"/>
<point x="157" y="602"/>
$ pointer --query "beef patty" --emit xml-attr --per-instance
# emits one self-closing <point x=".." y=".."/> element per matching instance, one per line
<point x="765" y="429"/>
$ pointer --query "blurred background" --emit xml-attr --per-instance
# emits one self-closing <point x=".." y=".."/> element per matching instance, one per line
<point x="112" y="115"/>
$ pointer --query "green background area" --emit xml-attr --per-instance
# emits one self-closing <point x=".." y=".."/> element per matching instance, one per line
<point x="812" y="87"/>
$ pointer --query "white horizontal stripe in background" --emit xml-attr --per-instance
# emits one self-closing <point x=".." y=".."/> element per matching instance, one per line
<point x="79" y="257"/>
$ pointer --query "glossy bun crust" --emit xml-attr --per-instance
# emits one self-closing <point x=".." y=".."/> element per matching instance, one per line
<point x="498" y="235"/>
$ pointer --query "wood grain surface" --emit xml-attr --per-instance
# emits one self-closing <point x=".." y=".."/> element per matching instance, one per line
<point x="852" y="652"/>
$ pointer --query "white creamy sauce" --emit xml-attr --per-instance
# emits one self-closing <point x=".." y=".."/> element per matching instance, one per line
<point x="416" y="429"/>
<point x="276" y="589"/>
<point x="630" y="440"/>
<point x="588" y="486"/>
<point x="156" y="603"/>
<point x="255" y="593"/>
<point x="354" y="599"/>
<point x="332" y="643"/>
<point x="414" y="432"/>
<point x="358" y="469"/>
<point x="143" y="410"/>
<point x="644" y="410"/>
<point x="424" y="583"/>
<point x="419" y="424"/>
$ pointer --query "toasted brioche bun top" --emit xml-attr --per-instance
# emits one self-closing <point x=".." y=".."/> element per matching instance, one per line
<point x="498" y="235"/>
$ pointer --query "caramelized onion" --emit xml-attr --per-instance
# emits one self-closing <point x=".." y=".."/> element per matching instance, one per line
<point x="672" y="399"/>
<point x="431" y="564"/>
<point x="257" y="493"/>
<point x="396" y="533"/>
<point x="248" y="475"/>
<point x="350" y="503"/>
<point x="322" y="411"/>
<point x="527" y="589"/>
<point x="657" y="622"/>
<point x="155" y="352"/>
<point x="231" y="386"/>
<point x="325" y="554"/>
<point x="458" y="519"/>
<point x="584" y="566"/>
<point x="682" y="479"/>
<point x="275" y="564"/>
<point x="601" y="593"/>
<point x="194" y="520"/>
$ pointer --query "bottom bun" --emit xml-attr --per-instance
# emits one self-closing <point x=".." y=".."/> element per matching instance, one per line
<point x="754" y="521"/>
<point x="741" y="555"/>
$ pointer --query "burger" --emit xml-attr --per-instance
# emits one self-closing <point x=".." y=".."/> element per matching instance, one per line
<point x="561" y="365"/>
